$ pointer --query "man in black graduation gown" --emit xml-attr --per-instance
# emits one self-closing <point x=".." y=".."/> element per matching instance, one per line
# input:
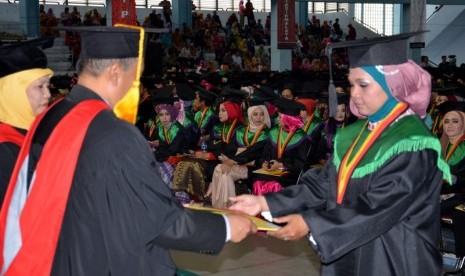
<point x="120" y="218"/>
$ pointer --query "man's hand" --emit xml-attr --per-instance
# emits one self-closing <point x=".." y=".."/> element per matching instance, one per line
<point x="249" y="204"/>
<point x="294" y="230"/>
<point x="241" y="227"/>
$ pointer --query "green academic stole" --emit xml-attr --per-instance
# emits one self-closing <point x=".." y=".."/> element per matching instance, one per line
<point x="281" y="139"/>
<point x="168" y="135"/>
<point x="225" y="131"/>
<point x="311" y="124"/>
<point x="202" y="117"/>
<point x="456" y="152"/>
<point x="359" y="152"/>
<point x="246" y="138"/>
<point x="187" y="122"/>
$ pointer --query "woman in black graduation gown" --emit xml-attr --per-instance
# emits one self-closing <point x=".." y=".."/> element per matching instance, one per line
<point x="325" y="147"/>
<point x="24" y="93"/>
<point x="286" y="149"/>
<point x="169" y="141"/>
<point x="374" y="208"/>
<point x="453" y="147"/>
<point x="241" y="156"/>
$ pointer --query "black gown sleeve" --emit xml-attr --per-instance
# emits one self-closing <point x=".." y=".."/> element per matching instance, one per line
<point x="395" y="197"/>
<point x="8" y="155"/>
<point x="252" y="153"/>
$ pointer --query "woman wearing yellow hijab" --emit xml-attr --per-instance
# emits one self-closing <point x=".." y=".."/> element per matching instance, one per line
<point x="24" y="93"/>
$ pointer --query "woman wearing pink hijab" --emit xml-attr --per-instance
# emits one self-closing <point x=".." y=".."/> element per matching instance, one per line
<point x="374" y="208"/>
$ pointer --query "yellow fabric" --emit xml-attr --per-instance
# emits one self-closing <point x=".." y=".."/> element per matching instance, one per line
<point x="15" y="108"/>
<point x="126" y="108"/>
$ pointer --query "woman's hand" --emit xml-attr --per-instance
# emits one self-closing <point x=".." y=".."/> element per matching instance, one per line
<point x="225" y="168"/>
<point x="154" y="143"/>
<point x="249" y="204"/>
<point x="294" y="229"/>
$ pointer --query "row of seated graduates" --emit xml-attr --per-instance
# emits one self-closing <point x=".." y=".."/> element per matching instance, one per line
<point x="199" y="99"/>
<point x="448" y="101"/>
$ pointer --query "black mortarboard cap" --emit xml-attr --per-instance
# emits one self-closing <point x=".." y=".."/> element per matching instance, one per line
<point x="206" y="95"/>
<point x="343" y="98"/>
<point x="232" y="95"/>
<point x="24" y="56"/>
<point x="266" y="92"/>
<point x="185" y="92"/>
<point x="311" y="90"/>
<point x="163" y="95"/>
<point x="388" y="50"/>
<point x="101" y="42"/>
<point x="289" y="107"/>
<point x="212" y="78"/>
<point x="451" y="106"/>
<point x="149" y="82"/>
<point x="289" y="85"/>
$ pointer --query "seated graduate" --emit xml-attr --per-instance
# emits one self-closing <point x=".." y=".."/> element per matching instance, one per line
<point x="444" y="95"/>
<point x="204" y="114"/>
<point x="242" y="155"/>
<point x="286" y="149"/>
<point x="325" y="147"/>
<point x="91" y="201"/>
<point x="183" y="97"/>
<point x="169" y="141"/>
<point x="145" y="111"/>
<point x="307" y="96"/>
<point x="453" y="148"/>
<point x="24" y="94"/>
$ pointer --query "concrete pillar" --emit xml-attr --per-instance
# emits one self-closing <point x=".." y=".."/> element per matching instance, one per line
<point x="301" y="11"/>
<point x="29" y="17"/>
<point x="182" y="13"/>
<point x="406" y="26"/>
<point x="281" y="59"/>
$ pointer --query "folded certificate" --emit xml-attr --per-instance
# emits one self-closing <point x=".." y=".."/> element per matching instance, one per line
<point x="261" y="224"/>
<point x="276" y="172"/>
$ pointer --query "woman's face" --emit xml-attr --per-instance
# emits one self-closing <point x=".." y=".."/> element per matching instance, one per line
<point x="222" y="113"/>
<point x="365" y="93"/>
<point x="341" y="112"/>
<point x="165" y="117"/>
<point x="258" y="116"/>
<point x="453" y="125"/>
<point x="287" y="93"/>
<point x="38" y="94"/>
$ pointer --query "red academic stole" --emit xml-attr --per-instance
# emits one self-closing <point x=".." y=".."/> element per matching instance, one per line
<point x="10" y="134"/>
<point x="41" y="217"/>
<point x="349" y="162"/>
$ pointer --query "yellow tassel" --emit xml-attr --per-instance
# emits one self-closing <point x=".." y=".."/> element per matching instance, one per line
<point x="126" y="108"/>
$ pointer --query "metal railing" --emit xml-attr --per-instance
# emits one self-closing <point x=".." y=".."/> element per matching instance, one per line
<point x="366" y="26"/>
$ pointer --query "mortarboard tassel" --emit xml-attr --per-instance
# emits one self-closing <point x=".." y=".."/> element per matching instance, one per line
<point x="332" y="101"/>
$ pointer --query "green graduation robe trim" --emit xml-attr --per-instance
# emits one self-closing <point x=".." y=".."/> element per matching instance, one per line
<point x="409" y="134"/>
<point x="173" y="131"/>
<point x="458" y="155"/>
<point x="250" y="135"/>
<point x="298" y="137"/>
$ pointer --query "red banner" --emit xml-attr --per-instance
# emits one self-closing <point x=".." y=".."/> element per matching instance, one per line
<point x="286" y="24"/>
<point x="123" y="12"/>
